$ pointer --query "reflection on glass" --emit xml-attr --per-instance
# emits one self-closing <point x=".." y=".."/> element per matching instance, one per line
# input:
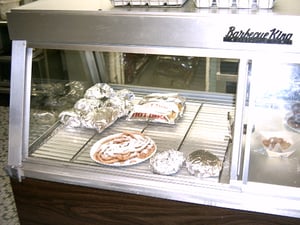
<point x="275" y="144"/>
<point x="60" y="77"/>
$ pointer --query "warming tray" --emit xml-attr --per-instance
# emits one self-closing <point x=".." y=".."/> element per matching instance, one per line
<point x="203" y="126"/>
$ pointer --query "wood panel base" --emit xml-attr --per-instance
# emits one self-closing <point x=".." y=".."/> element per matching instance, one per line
<point x="48" y="203"/>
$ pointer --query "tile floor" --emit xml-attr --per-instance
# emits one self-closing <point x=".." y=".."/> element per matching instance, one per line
<point x="8" y="212"/>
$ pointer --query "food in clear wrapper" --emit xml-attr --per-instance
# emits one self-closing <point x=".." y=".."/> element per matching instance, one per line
<point x="123" y="149"/>
<point x="203" y="164"/>
<point x="100" y="107"/>
<point x="278" y="144"/>
<point x="167" y="162"/>
<point x="158" y="107"/>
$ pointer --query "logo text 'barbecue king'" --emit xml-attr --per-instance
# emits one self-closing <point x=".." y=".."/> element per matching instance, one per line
<point x="273" y="36"/>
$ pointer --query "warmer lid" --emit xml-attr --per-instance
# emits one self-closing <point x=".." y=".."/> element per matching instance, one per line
<point x="93" y="23"/>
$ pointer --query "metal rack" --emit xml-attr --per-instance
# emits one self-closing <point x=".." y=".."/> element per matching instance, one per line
<point x="204" y="126"/>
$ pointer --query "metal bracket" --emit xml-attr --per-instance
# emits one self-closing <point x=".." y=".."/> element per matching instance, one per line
<point x="15" y="172"/>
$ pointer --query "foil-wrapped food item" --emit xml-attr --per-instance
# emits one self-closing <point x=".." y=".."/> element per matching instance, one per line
<point x="100" y="119"/>
<point x="84" y="105"/>
<point x="99" y="91"/>
<point x="70" y="118"/>
<point x="203" y="164"/>
<point x="122" y="101"/>
<point x="167" y="162"/>
<point x="100" y="107"/>
<point x="75" y="91"/>
<point x="159" y="107"/>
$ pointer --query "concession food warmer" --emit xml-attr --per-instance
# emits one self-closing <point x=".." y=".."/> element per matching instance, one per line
<point x="185" y="111"/>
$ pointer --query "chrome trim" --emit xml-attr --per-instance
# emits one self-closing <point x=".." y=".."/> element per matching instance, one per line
<point x="239" y="119"/>
<point x="16" y="102"/>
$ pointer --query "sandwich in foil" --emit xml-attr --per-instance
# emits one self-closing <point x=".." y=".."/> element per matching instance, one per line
<point x="100" y="107"/>
<point x="202" y="163"/>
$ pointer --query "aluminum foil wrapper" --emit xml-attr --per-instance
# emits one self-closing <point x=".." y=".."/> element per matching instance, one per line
<point x="100" y="119"/>
<point x="75" y="91"/>
<point x="202" y="164"/>
<point x="100" y="107"/>
<point x="70" y="118"/>
<point x="167" y="162"/>
<point x="120" y="105"/>
<point x="121" y="101"/>
<point x="84" y="106"/>
<point x="125" y="94"/>
<point x="99" y="91"/>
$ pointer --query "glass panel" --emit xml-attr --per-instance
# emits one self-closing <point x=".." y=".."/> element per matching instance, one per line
<point x="60" y="80"/>
<point x="275" y="142"/>
<point x="177" y="72"/>
<point x="181" y="72"/>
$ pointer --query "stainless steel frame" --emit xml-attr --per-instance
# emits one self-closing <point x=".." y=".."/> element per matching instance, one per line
<point x="93" y="26"/>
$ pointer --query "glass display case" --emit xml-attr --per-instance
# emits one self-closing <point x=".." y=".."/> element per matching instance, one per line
<point x="274" y="108"/>
<point x="232" y="82"/>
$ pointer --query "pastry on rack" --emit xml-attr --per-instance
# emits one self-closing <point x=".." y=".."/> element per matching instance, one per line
<point x="123" y="149"/>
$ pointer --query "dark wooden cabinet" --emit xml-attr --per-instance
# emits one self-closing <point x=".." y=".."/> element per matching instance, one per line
<point x="43" y="202"/>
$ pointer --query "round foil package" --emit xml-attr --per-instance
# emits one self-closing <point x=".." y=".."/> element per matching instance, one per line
<point x="122" y="102"/>
<point x="125" y="94"/>
<point x="75" y="91"/>
<point x="167" y="162"/>
<point x="105" y="115"/>
<point x="99" y="119"/>
<point x="100" y="107"/>
<point x="122" y="106"/>
<point x="84" y="105"/>
<point x="99" y="91"/>
<point x="70" y="118"/>
<point x="202" y="163"/>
